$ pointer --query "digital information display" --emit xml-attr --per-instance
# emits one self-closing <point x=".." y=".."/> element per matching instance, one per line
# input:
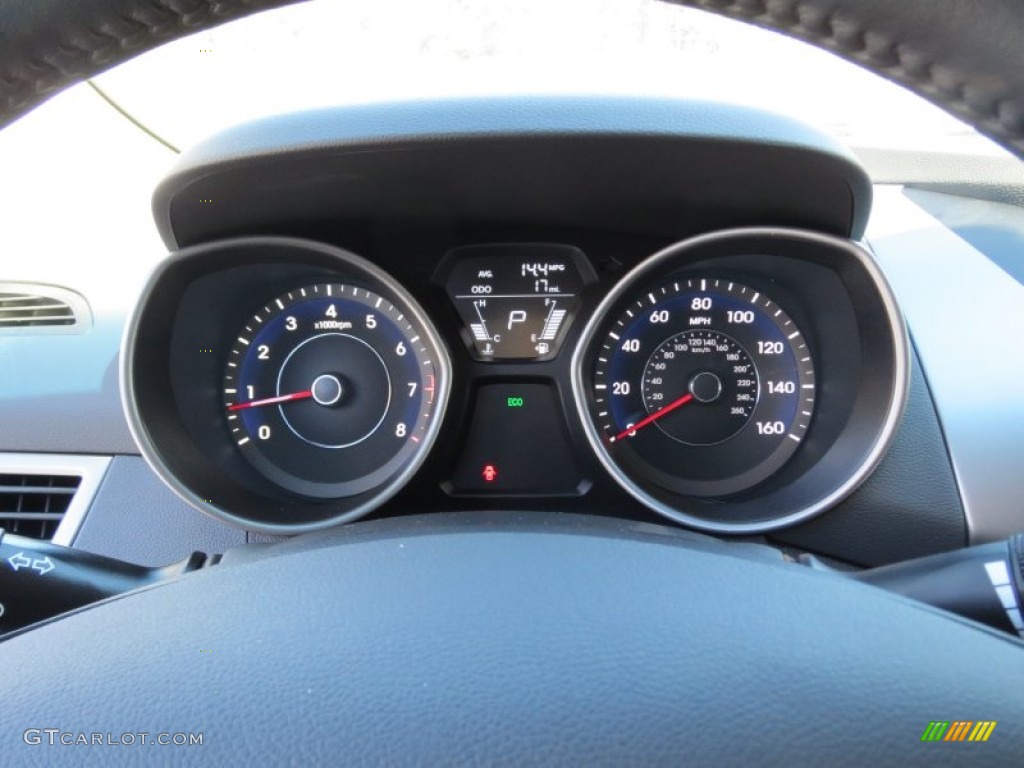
<point x="516" y="301"/>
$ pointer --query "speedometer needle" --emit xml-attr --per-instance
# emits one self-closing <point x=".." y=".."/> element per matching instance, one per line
<point x="655" y="416"/>
<point x="271" y="400"/>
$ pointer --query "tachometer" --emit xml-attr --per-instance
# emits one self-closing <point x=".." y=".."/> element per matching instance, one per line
<point x="328" y="389"/>
<point x="703" y="385"/>
<point x="280" y="384"/>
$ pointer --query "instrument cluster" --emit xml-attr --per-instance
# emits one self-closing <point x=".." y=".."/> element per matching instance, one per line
<point x="736" y="382"/>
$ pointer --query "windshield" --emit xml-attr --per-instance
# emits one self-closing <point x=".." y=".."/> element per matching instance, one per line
<point x="357" y="51"/>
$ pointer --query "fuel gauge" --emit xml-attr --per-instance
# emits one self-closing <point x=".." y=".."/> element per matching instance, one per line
<point x="516" y="301"/>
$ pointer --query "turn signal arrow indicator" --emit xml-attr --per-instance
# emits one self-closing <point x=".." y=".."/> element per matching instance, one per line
<point x="21" y="560"/>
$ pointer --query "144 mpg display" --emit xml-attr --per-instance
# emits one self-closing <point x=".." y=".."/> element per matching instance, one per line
<point x="701" y="386"/>
<point x="516" y="302"/>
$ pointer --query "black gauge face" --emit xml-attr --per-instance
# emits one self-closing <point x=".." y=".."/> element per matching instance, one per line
<point x="701" y="386"/>
<point x="330" y="390"/>
<point x="710" y="369"/>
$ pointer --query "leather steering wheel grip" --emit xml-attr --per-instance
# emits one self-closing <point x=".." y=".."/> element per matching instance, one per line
<point x="963" y="55"/>
<point x="48" y="45"/>
<point x="512" y="639"/>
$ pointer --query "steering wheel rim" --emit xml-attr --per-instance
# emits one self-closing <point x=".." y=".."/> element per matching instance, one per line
<point x="514" y="638"/>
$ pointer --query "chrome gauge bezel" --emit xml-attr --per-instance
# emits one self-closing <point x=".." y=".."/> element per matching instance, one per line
<point x="840" y="457"/>
<point x="194" y="454"/>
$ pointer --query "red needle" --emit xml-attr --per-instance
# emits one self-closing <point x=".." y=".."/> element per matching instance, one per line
<point x="271" y="400"/>
<point x="655" y="416"/>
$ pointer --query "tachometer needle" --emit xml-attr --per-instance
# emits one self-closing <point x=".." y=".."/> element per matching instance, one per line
<point x="271" y="400"/>
<point x="655" y="416"/>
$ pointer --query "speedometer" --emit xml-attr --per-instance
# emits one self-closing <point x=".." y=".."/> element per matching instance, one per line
<point x="703" y="385"/>
<point x="744" y="380"/>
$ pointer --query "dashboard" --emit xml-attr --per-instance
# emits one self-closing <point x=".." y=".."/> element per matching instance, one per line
<point x="470" y="318"/>
<point x="642" y="309"/>
<point x="616" y="200"/>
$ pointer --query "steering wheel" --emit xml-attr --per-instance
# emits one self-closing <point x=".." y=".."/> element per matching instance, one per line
<point x="504" y="638"/>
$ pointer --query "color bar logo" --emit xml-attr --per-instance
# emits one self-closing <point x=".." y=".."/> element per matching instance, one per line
<point x="958" y="730"/>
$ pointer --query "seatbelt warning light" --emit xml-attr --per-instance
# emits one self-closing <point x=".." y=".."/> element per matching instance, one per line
<point x="490" y="473"/>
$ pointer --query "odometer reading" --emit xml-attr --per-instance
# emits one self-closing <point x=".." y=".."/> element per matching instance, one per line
<point x="702" y="386"/>
<point x="329" y="390"/>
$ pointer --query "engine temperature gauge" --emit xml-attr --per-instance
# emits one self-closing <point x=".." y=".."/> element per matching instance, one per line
<point x="516" y="301"/>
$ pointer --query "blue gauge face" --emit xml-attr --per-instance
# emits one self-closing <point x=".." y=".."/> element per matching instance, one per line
<point x="702" y="386"/>
<point x="330" y="390"/>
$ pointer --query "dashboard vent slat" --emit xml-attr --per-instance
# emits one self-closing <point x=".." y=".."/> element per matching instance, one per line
<point x="33" y="310"/>
<point x="28" y="307"/>
<point x="34" y="505"/>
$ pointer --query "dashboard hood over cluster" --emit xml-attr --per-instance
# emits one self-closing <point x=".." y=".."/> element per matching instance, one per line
<point x="688" y="166"/>
<point x="744" y="208"/>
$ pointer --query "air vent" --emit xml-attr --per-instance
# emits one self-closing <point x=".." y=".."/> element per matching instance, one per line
<point x="31" y="308"/>
<point x="34" y="505"/>
<point x="47" y="495"/>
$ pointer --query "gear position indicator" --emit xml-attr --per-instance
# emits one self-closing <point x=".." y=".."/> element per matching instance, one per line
<point x="516" y="301"/>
